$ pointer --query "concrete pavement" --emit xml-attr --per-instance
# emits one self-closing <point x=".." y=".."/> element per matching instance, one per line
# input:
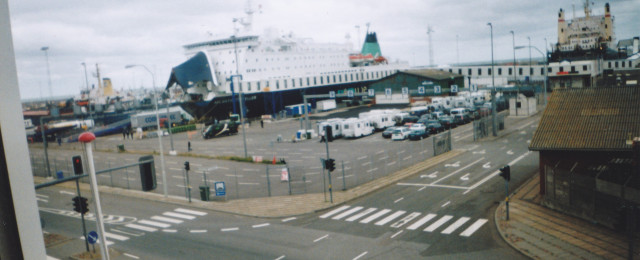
<point x="542" y="233"/>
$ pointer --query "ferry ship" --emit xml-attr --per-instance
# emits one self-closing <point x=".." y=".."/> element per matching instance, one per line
<point x="271" y="70"/>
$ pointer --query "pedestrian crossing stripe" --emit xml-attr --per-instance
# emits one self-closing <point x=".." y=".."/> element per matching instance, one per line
<point x="153" y="223"/>
<point x="375" y="216"/>
<point x="178" y="215"/>
<point x="361" y="214"/>
<point x="192" y="212"/>
<point x="165" y="219"/>
<point x="351" y="214"/>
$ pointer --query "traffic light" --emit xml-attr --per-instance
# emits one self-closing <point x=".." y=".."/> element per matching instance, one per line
<point x="77" y="165"/>
<point x="330" y="164"/>
<point x="186" y="165"/>
<point x="80" y="204"/>
<point x="505" y="172"/>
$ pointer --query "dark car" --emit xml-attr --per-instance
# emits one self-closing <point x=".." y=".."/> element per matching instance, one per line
<point x="474" y="113"/>
<point x="387" y="132"/>
<point x="461" y="119"/>
<point x="410" y="119"/>
<point x="220" y="129"/>
<point x="434" y="127"/>
<point x="447" y="122"/>
<point x="418" y="134"/>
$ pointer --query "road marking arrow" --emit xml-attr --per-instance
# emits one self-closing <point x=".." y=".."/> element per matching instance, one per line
<point x="465" y="177"/>
<point x="509" y="152"/>
<point x="456" y="164"/>
<point x="486" y="165"/>
<point x="432" y="175"/>
<point x="480" y="152"/>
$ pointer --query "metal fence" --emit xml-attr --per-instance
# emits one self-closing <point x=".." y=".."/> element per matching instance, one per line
<point x="483" y="127"/>
<point x="255" y="180"/>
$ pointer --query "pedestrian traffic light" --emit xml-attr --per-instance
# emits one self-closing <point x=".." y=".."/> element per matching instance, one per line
<point x="505" y="172"/>
<point x="80" y="204"/>
<point x="77" y="165"/>
<point x="330" y="164"/>
<point x="186" y="165"/>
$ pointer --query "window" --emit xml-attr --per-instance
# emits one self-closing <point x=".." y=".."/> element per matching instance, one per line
<point x="499" y="71"/>
<point x="258" y="85"/>
<point x="573" y="68"/>
<point x="277" y="84"/>
<point x="531" y="71"/>
<point x="549" y="69"/>
<point x="489" y="71"/>
<point x="609" y="64"/>
<point x="616" y="64"/>
<point x="560" y="69"/>
<point x="334" y="79"/>
<point x="479" y="72"/>
<point x="541" y="71"/>
<point x="584" y="67"/>
<point x="339" y="78"/>
<point x="293" y="83"/>
<point x="328" y="80"/>
<point x="520" y="71"/>
<point x="510" y="71"/>
<point x="460" y="71"/>
<point x="249" y="85"/>
<point x="623" y="64"/>
<point x="351" y="77"/>
<point x="630" y="64"/>
<point x="469" y="72"/>
<point x="321" y="80"/>
<point x="301" y="82"/>
<point x="240" y="85"/>
<point x="450" y="70"/>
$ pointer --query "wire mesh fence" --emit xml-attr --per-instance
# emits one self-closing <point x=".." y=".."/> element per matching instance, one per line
<point x="262" y="180"/>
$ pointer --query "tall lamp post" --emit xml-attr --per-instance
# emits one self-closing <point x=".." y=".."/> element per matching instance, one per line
<point x="513" y="36"/>
<point x="530" y="71"/>
<point x="494" y="122"/>
<point x="546" y="71"/>
<point x="46" y="55"/>
<point x="164" y="173"/>
<point x="240" y="90"/>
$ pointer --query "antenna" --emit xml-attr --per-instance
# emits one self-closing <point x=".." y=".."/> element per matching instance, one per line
<point x="368" y="27"/>
<point x="430" y="31"/>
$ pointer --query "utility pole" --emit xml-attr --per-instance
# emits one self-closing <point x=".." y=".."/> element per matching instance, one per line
<point x="494" y="120"/>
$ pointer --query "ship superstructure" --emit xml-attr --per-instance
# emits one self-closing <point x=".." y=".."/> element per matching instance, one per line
<point x="275" y="65"/>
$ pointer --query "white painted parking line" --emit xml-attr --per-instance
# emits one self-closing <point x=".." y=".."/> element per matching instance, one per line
<point x="346" y="176"/>
<point x="176" y="169"/>
<point x="398" y="200"/>
<point x="405" y="220"/>
<point x="232" y="175"/>
<point x="153" y="223"/>
<point x="391" y="163"/>
<point x="192" y="212"/>
<point x="260" y="225"/>
<point x="347" y="213"/>
<point x="137" y="234"/>
<point x="362" y="157"/>
<point x="390" y="218"/>
<point x="170" y="230"/>
<point x="115" y="236"/>
<point x="455" y="225"/>
<point x="67" y="192"/>
<point x="365" y="164"/>
<point x="383" y="158"/>
<point x="371" y="170"/>
<point x="229" y="229"/>
<point x="438" y="223"/>
<point x="473" y="228"/>
<point x="177" y="176"/>
<point x="361" y="214"/>
<point x="321" y="238"/>
<point x="335" y="211"/>
<point x="280" y="258"/>
<point x="375" y="216"/>
<point x="131" y="256"/>
<point x="42" y="196"/>
<point x="379" y="152"/>
<point x="165" y="219"/>
<point x="421" y="222"/>
<point x="139" y="227"/>
<point x="445" y="204"/>
<point x="178" y="215"/>
<point x="198" y="231"/>
<point x="407" y="158"/>
<point x="289" y="219"/>
<point x="248" y="183"/>
<point x="43" y="200"/>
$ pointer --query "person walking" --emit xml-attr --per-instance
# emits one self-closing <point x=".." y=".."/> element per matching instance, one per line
<point x="261" y="123"/>
<point x="124" y="133"/>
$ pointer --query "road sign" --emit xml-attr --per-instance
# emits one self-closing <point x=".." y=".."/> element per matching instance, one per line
<point x="437" y="89"/>
<point x="92" y="237"/>
<point x="372" y="92"/>
<point x="220" y="188"/>
<point x="350" y="93"/>
<point x="421" y="90"/>
<point x="332" y="94"/>
<point x="405" y="91"/>
<point x="387" y="92"/>
<point x="454" y="88"/>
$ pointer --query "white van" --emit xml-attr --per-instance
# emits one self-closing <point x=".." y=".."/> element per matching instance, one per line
<point x="459" y="111"/>
<point x="336" y="127"/>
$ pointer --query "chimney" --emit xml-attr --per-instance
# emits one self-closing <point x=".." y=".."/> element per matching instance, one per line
<point x="636" y="43"/>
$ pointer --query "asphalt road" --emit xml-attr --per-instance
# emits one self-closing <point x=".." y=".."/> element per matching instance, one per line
<point x="445" y="212"/>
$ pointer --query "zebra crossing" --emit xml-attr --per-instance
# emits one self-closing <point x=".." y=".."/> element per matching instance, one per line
<point x="154" y="223"/>
<point x="429" y="222"/>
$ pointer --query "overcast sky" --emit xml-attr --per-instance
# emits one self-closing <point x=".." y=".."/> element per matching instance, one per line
<point x="152" y="32"/>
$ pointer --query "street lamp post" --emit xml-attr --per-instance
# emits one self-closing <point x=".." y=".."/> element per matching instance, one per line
<point x="515" y="80"/>
<point x="494" y="121"/>
<point x="530" y="71"/>
<point x="240" y="90"/>
<point x="162" y="164"/>
<point x="546" y="71"/>
<point x="46" y="55"/>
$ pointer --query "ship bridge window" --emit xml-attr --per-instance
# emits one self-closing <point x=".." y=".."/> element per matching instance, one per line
<point x="301" y="82"/>
<point x="584" y="67"/>
<point x="351" y="77"/>
<point x="293" y="83"/>
<point x="510" y="71"/>
<point x="541" y="71"/>
<point x="328" y="81"/>
<point x="334" y="79"/>
<point x="340" y="78"/>
<point x="249" y="86"/>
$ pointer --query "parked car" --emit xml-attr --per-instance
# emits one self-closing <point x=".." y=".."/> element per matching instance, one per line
<point x="409" y="119"/>
<point x="387" y="132"/>
<point x="434" y="127"/>
<point x="447" y="122"/>
<point x="418" y="126"/>
<point x="437" y="114"/>
<point x="474" y="113"/>
<point x="400" y="134"/>
<point x="461" y="119"/>
<point x="418" y="134"/>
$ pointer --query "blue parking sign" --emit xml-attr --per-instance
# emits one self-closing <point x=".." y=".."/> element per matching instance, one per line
<point x="221" y="190"/>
